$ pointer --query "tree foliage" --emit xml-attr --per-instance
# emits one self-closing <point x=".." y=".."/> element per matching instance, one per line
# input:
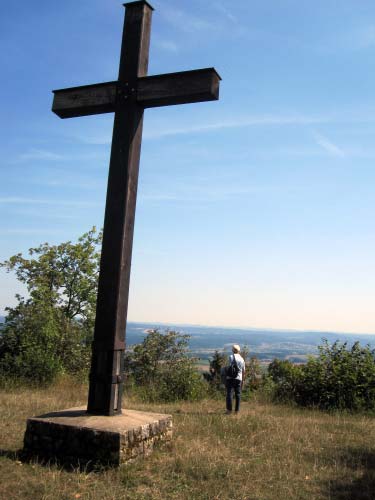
<point x="161" y="369"/>
<point x="253" y="374"/>
<point x="50" y="331"/>
<point x="286" y="378"/>
<point x="340" y="377"/>
<point x="214" y="376"/>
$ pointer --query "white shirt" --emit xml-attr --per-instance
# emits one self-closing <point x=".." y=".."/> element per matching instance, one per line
<point x="240" y="363"/>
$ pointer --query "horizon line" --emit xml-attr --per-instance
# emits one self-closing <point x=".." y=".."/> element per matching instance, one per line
<point x="155" y="324"/>
<point x="254" y="328"/>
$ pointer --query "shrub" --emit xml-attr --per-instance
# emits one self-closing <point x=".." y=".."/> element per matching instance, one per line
<point x="338" y="378"/>
<point x="27" y="344"/>
<point x="285" y="377"/>
<point x="160" y="368"/>
<point x="37" y="344"/>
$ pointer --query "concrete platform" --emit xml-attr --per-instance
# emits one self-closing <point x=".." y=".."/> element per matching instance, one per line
<point x="74" y="437"/>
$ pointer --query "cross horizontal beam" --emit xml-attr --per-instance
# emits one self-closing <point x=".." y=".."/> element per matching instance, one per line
<point x="152" y="91"/>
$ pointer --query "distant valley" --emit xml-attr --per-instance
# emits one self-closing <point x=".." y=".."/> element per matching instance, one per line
<point x="265" y="344"/>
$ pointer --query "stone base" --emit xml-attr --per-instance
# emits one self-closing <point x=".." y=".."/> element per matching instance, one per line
<point x="74" y="437"/>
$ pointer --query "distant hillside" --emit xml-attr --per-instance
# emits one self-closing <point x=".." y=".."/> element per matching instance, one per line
<point x="265" y="344"/>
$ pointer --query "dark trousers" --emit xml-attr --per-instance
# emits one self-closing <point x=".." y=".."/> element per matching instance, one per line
<point x="233" y="385"/>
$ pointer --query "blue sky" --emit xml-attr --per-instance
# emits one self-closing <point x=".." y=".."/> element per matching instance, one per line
<point x="256" y="210"/>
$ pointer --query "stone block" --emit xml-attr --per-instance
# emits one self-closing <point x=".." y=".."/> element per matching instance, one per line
<point x="75" y="437"/>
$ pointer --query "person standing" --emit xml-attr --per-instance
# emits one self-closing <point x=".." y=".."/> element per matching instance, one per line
<point x="235" y="378"/>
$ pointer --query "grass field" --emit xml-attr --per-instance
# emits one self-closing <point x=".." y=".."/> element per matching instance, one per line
<point x="267" y="452"/>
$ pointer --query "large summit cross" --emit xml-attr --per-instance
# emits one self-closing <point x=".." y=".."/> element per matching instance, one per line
<point x="127" y="98"/>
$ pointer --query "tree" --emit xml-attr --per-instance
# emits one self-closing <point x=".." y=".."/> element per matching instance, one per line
<point x="214" y="375"/>
<point x="253" y="374"/>
<point x="63" y="276"/>
<point x="161" y="368"/>
<point x="51" y="330"/>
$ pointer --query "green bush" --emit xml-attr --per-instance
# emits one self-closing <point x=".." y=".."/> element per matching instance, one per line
<point x="37" y="344"/>
<point x="338" y="378"/>
<point x="27" y="344"/>
<point x="285" y="377"/>
<point x="160" y="369"/>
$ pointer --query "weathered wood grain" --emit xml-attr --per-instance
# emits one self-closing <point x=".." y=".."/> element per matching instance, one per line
<point x="178" y="88"/>
<point x="85" y="100"/>
<point x="150" y="91"/>
<point x="115" y="264"/>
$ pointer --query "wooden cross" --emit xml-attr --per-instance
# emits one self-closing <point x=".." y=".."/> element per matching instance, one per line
<point x="127" y="98"/>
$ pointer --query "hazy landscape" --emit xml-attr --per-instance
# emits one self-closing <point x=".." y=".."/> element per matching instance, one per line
<point x="265" y="344"/>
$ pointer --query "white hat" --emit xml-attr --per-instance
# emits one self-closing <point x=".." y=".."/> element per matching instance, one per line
<point x="236" y="348"/>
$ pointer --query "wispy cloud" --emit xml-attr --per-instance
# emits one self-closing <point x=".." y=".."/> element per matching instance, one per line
<point x="45" y="214"/>
<point x="155" y="129"/>
<point x="204" y="192"/>
<point x="225" y="12"/>
<point x="363" y="38"/>
<point x="69" y="180"/>
<point x="329" y="146"/>
<point x="218" y="19"/>
<point x="39" y="154"/>
<point x="247" y="121"/>
<point x="360" y="38"/>
<point x="185" y="21"/>
<point x="43" y="155"/>
<point x="95" y="140"/>
<point x="31" y="231"/>
<point x="167" y="45"/>
<point x="18" y="200"/>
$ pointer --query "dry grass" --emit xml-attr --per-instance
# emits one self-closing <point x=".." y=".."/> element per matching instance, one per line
<point x="267" y="452"/>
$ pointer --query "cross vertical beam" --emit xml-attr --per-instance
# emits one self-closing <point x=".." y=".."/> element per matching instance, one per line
<point x="113" y="290"/>
<point x="127" y="97"/>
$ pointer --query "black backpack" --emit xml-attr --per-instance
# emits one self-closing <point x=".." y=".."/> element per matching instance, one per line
<point x="233" y="369"/>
